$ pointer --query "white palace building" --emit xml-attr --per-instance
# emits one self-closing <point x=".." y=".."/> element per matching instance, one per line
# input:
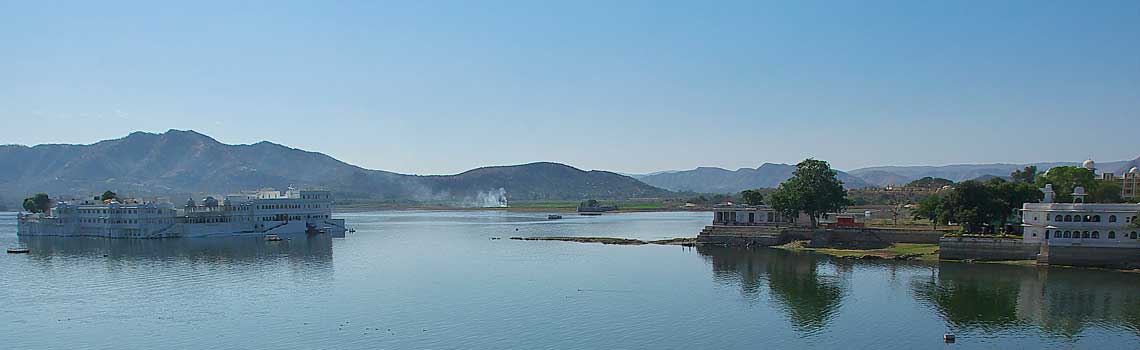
<point x="1080" y="224"/>
<point x="261" y="212"/>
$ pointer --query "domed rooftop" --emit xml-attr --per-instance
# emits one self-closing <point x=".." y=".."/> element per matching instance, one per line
<point x="1133" y="170"/>
<point x="1089" y="164"/>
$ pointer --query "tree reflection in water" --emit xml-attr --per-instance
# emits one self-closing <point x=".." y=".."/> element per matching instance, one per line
<point x="793" y="280"/>
<point x="1058" y="301"/>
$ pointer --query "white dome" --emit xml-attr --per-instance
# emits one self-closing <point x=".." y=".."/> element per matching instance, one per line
<point x="1133" y="170"/>
<point x="1089" y="164"/>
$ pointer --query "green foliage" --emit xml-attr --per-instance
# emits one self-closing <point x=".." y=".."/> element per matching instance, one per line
<point x="1027" y="175"/>
<point x="813" y="189"/>
<point x="752" y="197"/>
<point x="972" y="204"/>
<point x="109" y="195"/>
<point x="975" y="204"/>
<point x="1012" y="195"/>
<point x="930" y="182"/>
<point x="38" y="203"/>
<point x="1065" y="179"/>
<point x="929" y="208"/>
<point x="1106" y="191"/>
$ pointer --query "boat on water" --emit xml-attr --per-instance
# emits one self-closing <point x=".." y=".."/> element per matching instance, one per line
<point x="553" y="217"/>
<point x="18" y="250"/>
<point x="251" y="213"/>
<point x="272" y="238"/>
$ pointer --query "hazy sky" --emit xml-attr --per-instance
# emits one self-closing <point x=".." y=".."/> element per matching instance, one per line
<point x="441" y="87"/>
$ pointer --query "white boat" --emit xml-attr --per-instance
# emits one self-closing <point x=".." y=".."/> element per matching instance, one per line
<point x="553" y="217"/>
<point x="272" y="237"/>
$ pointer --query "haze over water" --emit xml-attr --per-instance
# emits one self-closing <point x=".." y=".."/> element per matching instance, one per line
<point x="436" y="279"/>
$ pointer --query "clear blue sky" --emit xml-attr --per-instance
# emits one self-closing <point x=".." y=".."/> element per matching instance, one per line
<point x="441" y="87"/>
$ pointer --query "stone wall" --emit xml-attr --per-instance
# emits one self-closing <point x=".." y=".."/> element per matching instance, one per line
<point x="1126" y="258"/>
<point x="963" y="248"/>
<point x="758" y="235"/>
<point x="853" y="238"/>
<point x="869" y="238"/>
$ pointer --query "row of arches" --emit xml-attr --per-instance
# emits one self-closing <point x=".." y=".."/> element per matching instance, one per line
<point x="1087" y="218"/>
<point x="1089" y="235"/>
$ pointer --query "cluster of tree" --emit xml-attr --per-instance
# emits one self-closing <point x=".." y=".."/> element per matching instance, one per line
<point x="38" y="203"/>
<point x="711" y="199"/>
<point x="814" y="189"/>
<point x="1065" y="179"/>
<point x="752" y="197"/>
<point x="930" y="182"/>
<point x="107" y="195"/>
<point x="976" y="204"/>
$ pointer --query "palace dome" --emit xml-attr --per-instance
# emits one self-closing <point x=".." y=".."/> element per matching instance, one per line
<point x="1133" y="170"/>
<point x="1089" y="164"/>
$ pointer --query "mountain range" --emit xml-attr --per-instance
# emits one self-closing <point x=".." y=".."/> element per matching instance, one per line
<point x="179" y="162"/>
<point x="182" y="162"/>
<point x="898" y="175"/>
<point x="718" y="180"/>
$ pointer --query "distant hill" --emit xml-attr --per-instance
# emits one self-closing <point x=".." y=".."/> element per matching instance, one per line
<point x="718" y="180"/>
<point x="896" y="175"/>
<point x="178" y="162"/>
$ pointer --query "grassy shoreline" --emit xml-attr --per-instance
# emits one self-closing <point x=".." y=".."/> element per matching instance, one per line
<point x="897" y="251"/>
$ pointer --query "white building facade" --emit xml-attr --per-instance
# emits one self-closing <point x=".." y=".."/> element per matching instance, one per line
<point x="251" y="213"/>
<point x="1080" y="224"/>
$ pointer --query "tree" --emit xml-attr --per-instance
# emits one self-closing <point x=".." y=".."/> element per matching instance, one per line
<point x="108" y="195"/>
<point x="1011" y="196"/>
<point x="896" y="204"/>
<point x="972" y="204"/>
<point x="752" y="197"/>
<point x="1027" y="175"/>
<point x="1106" y="191"/>
<point x="813" y="189"/>
<point x="1065" y="179"/>
<point x="929" y="208"/>
<point x="38" y="203"/>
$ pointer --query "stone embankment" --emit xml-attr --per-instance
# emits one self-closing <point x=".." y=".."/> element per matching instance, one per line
<point x="845" y="238"/>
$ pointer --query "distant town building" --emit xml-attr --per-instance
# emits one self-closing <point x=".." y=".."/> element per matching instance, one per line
<point x="1129" y="182"/>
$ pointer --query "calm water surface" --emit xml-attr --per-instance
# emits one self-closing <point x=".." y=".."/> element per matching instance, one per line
<point x="430" y="279"/>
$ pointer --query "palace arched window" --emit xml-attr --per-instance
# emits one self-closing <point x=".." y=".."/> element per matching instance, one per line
<point x="1096" y="218"/>
<point x="1096" y="235"/>
<point x="1068" y="218"/>
<point x="1068" y="234"/>
<point x="1058" y="218"/>
<point x="1112" y="218"/>
<point x="1085" y="235"/>
<point x="1076" y="218"/>
<point x="1111" y="234"/>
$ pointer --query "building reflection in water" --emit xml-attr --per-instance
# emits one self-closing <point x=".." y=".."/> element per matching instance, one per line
<point x="307" y="253"/>
<point x="1058" y="301"/>
<point x="809" y="298"/>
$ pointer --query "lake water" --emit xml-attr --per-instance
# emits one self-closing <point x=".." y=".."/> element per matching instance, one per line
<point x="434" y="279"/>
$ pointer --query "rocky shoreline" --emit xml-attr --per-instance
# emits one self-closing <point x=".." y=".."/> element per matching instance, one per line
<point x="611" y="240"/>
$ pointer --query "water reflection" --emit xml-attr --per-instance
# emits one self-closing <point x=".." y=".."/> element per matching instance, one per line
<point x="1058" y="301"/>
<point x="310" y="250"/>
<point x="809" y="298"/>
